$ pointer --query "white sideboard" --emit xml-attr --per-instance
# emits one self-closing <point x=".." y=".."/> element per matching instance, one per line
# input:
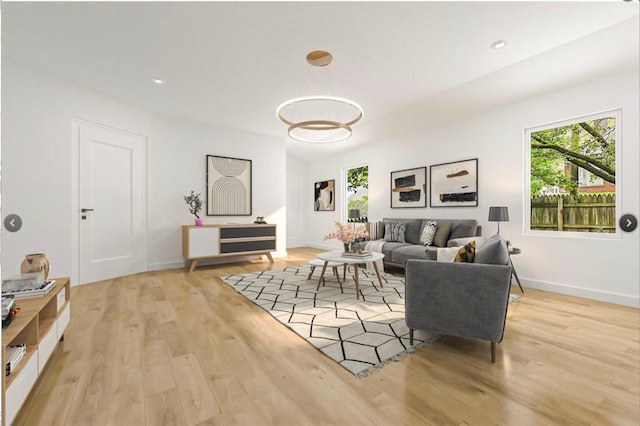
<point x="215" y="241"/>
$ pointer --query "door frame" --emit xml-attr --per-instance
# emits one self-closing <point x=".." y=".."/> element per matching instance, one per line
<point x="76" y="123"/>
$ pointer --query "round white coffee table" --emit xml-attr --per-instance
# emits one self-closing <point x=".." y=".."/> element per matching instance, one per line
<point x="336" y="256"/>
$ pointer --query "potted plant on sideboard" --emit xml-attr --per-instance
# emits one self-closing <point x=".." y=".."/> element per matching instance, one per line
<point x="195" y="205"/>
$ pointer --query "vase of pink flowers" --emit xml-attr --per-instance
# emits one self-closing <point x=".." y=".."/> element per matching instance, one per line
<point x="347" y="233"/>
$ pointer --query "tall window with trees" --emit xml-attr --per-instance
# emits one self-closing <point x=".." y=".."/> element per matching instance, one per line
<point x="357" y="193"/>
<point x="571" y="183"/>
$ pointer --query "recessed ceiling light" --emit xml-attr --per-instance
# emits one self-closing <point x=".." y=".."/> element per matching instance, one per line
<point x="157" y="80"/>
<point x="499" y="44"/>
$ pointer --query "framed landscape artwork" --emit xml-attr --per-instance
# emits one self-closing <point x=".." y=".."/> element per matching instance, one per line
<point x="454" y="184"/>
<point x="228" y="186"/>
<point x="409" y="188"/>
<point x="324" y="195"/>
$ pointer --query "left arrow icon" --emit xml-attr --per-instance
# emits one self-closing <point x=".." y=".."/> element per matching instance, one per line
<point x="13" y="222"/>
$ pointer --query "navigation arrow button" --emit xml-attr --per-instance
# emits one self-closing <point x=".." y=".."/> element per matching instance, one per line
<point x="13" y="222"/>
<point x="628" y="223"/>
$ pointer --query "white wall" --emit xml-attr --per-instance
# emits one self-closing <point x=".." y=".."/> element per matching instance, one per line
<point x="601" y="269"/>
<point x="37" y="168"/>
<point x="296" y="200"/>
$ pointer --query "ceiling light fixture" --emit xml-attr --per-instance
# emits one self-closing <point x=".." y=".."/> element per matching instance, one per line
<point x="319" y="118"/>
<point x="157" y="80"/>
<point x="499" y="44"/>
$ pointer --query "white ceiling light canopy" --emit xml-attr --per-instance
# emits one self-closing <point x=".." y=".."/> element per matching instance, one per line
<point x="319" y="118"/>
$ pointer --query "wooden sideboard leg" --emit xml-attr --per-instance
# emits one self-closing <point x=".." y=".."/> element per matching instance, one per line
<point x="193" y="265"/>
<point x="270" y="258"/>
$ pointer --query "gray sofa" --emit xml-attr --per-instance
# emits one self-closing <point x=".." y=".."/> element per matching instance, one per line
<point x="461" y="299"/>
<point x="396" y="254"/>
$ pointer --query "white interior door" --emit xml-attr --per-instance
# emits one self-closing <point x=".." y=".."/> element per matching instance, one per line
<point x="112" y="213"/>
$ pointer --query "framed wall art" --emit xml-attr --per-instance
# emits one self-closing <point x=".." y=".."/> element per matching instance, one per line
<point x="228" y="186"/>
<point x="324" y="195"/>
<point x="409" y="188"/>
<point x="454" y="184"/>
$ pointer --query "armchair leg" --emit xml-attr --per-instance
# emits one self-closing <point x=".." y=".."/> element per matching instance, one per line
<point x="411" y="336"/>
<point x="493" y="352"/>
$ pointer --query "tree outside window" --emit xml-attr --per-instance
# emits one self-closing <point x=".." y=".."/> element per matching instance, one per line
<point x="572" y="179"/>
<point x="357" y="192"/>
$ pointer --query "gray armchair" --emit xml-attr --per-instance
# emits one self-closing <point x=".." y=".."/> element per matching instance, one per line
<point x="458" y="299"/>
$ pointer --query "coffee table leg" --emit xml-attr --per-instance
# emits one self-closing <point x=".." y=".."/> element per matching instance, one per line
<point x="375" y="266"/>
<point x="324" y="268"/>
<point x="355" y="268"/>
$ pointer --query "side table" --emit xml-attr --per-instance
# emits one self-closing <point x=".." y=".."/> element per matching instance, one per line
<point x="513" y="251"/>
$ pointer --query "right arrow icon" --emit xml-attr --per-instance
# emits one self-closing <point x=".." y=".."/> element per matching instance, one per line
<point x="628" y="223"/>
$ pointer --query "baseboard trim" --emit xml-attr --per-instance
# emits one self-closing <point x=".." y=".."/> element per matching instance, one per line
<point x="602" y="296"/>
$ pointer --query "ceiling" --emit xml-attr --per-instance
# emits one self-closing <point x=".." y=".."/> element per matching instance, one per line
<point x="233" y="63"/>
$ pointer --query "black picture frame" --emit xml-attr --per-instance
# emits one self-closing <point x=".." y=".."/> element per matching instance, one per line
<point x="229" y="186"/>
<point x="324" y="196"/>
<point x="454" y="184"/>
<point x="409" y="188"/>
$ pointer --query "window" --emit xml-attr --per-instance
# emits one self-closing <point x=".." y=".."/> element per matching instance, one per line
<point x="571" y="186"/>
<point x="357" y="193"/>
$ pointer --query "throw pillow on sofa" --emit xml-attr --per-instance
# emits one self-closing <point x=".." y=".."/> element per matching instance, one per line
<point x="493" y="251"/>
<point x="429" y="231"/>
<point x="442" y="234"/>
<point x="466" y="253"/>
<point x="394" y="232"/>
<point x="446" y="254"/>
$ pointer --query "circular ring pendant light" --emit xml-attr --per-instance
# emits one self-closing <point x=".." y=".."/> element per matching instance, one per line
<point x="319" y="118"/>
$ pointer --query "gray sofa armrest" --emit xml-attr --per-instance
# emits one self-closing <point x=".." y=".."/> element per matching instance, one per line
<point x="458" y="299"/>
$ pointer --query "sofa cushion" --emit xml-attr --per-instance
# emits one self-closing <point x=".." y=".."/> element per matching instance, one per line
<point x="463" y="228"/>
<point x="432" y="253"/>
<point x="400" y="254"/>
<point x="428" y="232"/>
<point x="412" y="228"/>
<point x="394" y="232"/>
<point x="493" y="251"/>
<point x="388" y="248"/>
<point x="466" y="253"/>
<point x="442" y="233"/>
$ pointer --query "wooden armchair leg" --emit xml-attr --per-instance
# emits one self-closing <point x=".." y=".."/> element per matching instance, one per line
<point x="493" y="352"/>
<point x="411" y="330"/>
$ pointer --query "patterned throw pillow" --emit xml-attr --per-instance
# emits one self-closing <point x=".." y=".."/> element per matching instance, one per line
<point x="394" y="232"/>
<point x="429" y="231"/>
<point x="466" y="253"/>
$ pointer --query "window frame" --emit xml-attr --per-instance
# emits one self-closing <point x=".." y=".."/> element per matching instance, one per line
<point x="345" y="198"/>
<point x="617" y="114"/>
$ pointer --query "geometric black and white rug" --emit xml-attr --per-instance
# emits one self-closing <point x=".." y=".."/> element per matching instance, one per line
<point x="361" y="335"/>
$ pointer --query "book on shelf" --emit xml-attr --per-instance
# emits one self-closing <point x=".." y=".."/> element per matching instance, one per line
<point x="42" y="290"/>
<point x="362" y="254"/>
<point x="14" y="355"/>
<point x="8" y="305"/>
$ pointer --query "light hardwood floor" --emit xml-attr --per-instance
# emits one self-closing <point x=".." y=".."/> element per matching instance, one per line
<point x="178" y="348"/>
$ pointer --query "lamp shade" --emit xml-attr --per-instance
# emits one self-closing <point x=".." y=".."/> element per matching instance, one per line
<point x="498" y="214"/>
<point x="354" y="214"/>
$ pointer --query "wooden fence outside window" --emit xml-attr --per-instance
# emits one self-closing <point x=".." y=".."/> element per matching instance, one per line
<point x="574" y="213"/>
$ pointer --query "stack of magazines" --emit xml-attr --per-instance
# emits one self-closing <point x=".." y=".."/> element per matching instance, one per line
<point x="8" y="305"/>
<point x="361" y="254"/>
<point x="26" y="286"/>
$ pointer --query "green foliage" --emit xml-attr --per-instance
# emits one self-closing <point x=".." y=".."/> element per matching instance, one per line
<point x="361" y="204"/>
<point x="557" y="153"/>
<point x="358" y="178"/>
